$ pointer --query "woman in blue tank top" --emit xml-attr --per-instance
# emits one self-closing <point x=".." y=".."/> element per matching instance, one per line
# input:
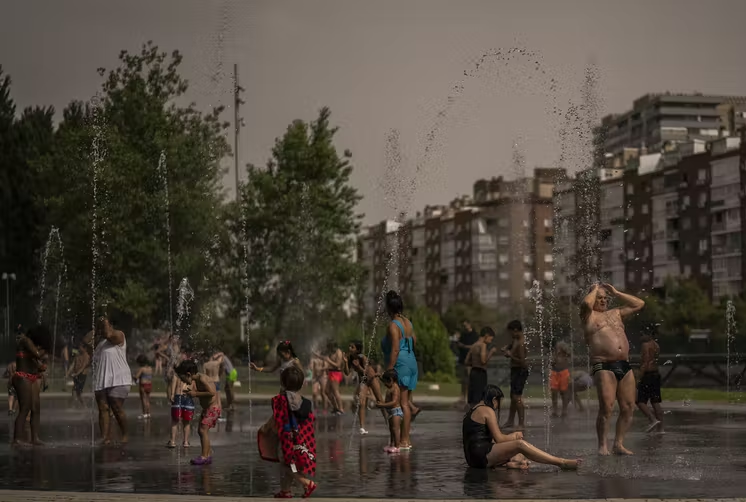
<point x="398" y="354"/>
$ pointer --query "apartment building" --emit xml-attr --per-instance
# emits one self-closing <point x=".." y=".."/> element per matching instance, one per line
<point x="658" y="119"/>
<point x="726" y="217"/>
<point x="378" y="252"/>
<point x="488" y="248"/>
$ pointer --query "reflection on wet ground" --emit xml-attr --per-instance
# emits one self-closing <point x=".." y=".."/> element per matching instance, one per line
<point x="702" y="454"/>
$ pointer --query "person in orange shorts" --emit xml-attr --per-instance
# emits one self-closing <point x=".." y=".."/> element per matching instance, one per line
<point x="559" y="378"/>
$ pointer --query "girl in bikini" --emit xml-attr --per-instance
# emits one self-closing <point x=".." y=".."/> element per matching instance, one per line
<point x="27" y="381"/>
<point x="144" y="379"/>
<point x="285" y="358"/>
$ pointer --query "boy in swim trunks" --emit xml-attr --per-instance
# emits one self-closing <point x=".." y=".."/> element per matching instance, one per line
<point x="182" y="412"/>
<point x="78" y="371"/>
<point x="202" y="387"/>
<point x="392" y="406"/>
<point x="559" y="378"/>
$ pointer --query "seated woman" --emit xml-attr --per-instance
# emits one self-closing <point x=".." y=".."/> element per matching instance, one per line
<point x="485" y="446"/>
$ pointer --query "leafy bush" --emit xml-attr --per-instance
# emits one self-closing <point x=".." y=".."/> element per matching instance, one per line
<point x="433" y="344"/>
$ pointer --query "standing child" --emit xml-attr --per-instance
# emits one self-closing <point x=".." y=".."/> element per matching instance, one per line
<point x="392" y="406"/>
<point x="202" y="387"/>
<point x="559" y="378"/>
<point x="10" y="371"/>
<point x="356" y="361"/>
<point x="78" y="371"/>
<point x="182" y="411"/>
<point x="293" y="422"/>
<point x="144" y="379"/>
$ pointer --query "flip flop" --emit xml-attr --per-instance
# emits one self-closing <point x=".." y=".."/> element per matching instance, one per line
<point x="310" y="488"/>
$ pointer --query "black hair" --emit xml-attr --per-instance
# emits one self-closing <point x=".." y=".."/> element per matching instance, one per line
<point x="186" y="366"/>
<point x="41" y="337"/>
<point x="487" y="331"/>
<point x="515" y="325"/>
<point x="358" y="346"/>
<point x="142" y="360"/>
<point x="286" y="346"/>
<point x="394" y="303"/>
<point x="390" y="376"/>
<point x="292" y="378"/>
<point x="19" y="329"/>
<point x="492" y="392"/>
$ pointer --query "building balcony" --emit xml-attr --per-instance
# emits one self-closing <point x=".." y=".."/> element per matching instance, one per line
<point x="725" y="250"/>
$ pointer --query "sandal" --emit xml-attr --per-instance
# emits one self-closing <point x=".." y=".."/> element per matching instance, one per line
<point x="283" y="495"/>
<point x="171" y="445"/>
<point x="310" y="488"/>
<point x="201" y="461"/>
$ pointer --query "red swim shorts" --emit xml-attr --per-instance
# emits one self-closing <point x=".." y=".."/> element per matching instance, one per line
<point x="559" y="380"/>
<point x="335" y="376"/>
<point x="210" y="417"/>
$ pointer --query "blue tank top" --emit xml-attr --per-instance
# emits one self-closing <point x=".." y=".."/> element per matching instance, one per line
<point x="406" y="348"/>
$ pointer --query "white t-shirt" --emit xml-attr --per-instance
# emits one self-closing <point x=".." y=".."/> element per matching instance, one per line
<point x="110" y="368"/>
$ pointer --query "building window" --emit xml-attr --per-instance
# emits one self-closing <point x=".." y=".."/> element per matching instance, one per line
<point x="503" y="240"/>
<point x="703" y="268"/>
<point x="630" y="277"/>
<point x="630" y="212"/>
<point x="527" y="293"/>
<point x="527" y="276"/>
<point x="504" y="293"/>
<point x="548" y="275"/>
<point x="548" y="258"/>
<point x="502" y="222"/>
<point x="702" y="199"/>
<point x="644" y="209"/>
<point x="702" y="245"/>
<point x="527" y="260"/>
<point x="687" y="270"/>
<point x="685" y="202"/>
<point x="686" y="223"/>
<point x="547" y="223"/>
<point x="703" y="221"/>
<point x="702" y="174"/>
<point x="630" y="189"/>
<point x="503" y="259"/>
<point x="645" y="277"/>
<point x="503" y="276"/>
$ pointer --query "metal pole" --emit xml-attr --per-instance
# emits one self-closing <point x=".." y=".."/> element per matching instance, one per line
<point x="236" y="124"/>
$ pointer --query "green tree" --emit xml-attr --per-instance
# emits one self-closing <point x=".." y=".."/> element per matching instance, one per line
<point x="433" y="345"/>
<point x="24" y="140"/>
<point x="135" y="120"/>
<point x="299" y="224"/>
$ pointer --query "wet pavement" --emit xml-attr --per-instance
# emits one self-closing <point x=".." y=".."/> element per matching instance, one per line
<point x="702" y="454"/>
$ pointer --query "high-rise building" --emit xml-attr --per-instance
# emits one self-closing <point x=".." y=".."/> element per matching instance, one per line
<point x="485" y="249"/>
<point x="658" y="119"/>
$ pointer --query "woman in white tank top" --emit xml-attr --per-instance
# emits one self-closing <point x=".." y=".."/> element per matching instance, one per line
<point x="112" y="377"/>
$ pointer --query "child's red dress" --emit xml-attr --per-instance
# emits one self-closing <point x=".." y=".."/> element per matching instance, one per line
<point x="296" y="434"/>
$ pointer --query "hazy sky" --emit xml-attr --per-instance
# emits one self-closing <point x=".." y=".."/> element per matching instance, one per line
<point x="390" y="65"/>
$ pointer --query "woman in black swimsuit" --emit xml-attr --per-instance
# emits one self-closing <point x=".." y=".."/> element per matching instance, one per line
<point x="485" y="446"/>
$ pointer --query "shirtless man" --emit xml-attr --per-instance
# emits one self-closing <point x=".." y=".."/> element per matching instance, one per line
<point x="516" y="352"/>
<point x="319" y="383"/>
<point x="477" y="359"/>
<point x="649" y="388"/>
<point x="609" y="352"/>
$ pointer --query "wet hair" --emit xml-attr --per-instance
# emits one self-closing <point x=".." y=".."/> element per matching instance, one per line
<point x="515" y="325"/>
<point x="292" y="378"/>
<point x="394" y="303"/>
<point x="186" y="366"/>
<point x="492" y="392"/>
<point x="142" y="360"/>
<point x="286" y="346"/>
<point x="40" y="336"/>
<point x="487" y="331"/>
<point x="358" y="346"/>
<point x="562" y="346"/>
<point x="390" y="376"/>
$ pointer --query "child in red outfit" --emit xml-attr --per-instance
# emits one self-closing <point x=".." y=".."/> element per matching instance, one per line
<point x="293" y="423"/>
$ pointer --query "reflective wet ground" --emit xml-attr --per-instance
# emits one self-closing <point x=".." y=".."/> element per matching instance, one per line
<point x="702" y="454"/>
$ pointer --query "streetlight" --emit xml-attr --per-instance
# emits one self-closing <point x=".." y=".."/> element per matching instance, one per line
<point x="7" y="277"/>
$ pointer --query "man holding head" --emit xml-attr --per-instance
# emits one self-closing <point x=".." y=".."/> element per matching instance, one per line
<point x="609" y="353"/>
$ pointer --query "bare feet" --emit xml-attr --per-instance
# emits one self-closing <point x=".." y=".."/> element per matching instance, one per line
<point x="20" y="444"/>
<point x="123" y="440"/>
<point x="106" y="442"/>
<point x="38" y="442"/>
<point x="652" y="425"/>
<point x="571" y="465"/>
<point x="603" y="450"/>
<point x="621" y="450"/>
<point x="507" y="425"/>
